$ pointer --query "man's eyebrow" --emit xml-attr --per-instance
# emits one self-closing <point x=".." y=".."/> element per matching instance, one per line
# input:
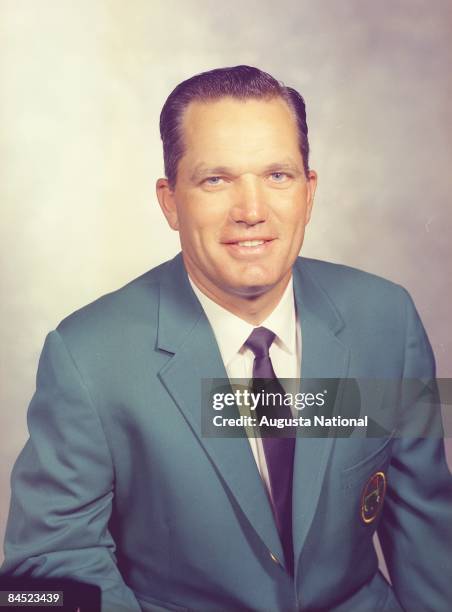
<point x="202" y="171"/>
<point x="283" y="167"/>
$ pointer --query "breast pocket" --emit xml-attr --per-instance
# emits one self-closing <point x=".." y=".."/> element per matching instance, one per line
<point x="365" y="483"/>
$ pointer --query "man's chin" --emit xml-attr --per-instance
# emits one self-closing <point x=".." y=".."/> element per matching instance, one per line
<point x="252" y="289"/>
<point x="257" y="282"/>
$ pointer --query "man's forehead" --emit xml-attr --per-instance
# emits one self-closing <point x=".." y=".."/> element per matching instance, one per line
<point x="232" y="137"/>
<point x="230" y="126"/>
<point x="230" y="107"/>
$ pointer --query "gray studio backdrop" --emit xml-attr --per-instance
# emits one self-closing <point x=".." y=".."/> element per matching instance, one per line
<point x="81" y="87"/>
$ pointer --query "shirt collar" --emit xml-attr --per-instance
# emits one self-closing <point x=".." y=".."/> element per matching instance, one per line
<point x="231" y="332"/>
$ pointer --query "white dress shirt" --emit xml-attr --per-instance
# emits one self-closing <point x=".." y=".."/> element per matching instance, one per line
<point x="231" y="332"/>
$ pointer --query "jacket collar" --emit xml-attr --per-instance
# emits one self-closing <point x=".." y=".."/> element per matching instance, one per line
<point x="180" y="309"/>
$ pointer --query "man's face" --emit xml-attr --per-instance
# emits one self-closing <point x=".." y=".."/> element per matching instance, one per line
<point x="241" y="200"/>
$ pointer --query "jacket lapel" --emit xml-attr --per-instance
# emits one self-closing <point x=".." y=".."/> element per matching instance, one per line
<point x="323" y="356"/>
<point x="185" y="332"/>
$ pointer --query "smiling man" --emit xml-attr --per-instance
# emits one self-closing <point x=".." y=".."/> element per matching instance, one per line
<point x="117" y="485"/>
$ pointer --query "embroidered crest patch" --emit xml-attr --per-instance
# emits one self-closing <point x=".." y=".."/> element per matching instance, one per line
<point x="373" y="496"/>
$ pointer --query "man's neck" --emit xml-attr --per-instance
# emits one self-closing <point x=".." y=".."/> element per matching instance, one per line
<point x="254" y="308"/>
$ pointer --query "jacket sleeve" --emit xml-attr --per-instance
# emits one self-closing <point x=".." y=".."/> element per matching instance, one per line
<point x="62" y="487"/>
<point x="416" y="526"/>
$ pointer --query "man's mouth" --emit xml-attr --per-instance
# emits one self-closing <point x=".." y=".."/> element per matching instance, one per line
<point x="250" y="243"/>
<point x="249" y="248"/>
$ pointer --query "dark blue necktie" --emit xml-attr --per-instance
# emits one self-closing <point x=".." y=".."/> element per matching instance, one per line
<point x="279" y="451"/>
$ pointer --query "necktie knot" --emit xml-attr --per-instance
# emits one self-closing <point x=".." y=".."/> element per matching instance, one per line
<point x="260" y="341"/>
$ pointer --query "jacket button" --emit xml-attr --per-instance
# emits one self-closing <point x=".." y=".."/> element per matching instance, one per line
<point x="274" y="558"/>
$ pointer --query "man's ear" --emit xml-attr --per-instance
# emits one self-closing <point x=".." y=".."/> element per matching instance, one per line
<point x="311" y="187"/>
<point x="167" y="201"/>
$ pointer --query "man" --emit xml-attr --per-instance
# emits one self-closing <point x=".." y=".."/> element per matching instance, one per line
<point x="117" y="485"/>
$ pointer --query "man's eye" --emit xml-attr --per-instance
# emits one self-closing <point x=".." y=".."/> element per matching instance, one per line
<point x="213" y="180"/>
<point x="279" y="177"/>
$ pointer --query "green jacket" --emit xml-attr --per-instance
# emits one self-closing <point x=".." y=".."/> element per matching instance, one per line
<point x="118" y="487"/>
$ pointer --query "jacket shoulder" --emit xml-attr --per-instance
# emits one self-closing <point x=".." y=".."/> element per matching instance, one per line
<point x="106" y="319"/>
<point x="350" y="288"/>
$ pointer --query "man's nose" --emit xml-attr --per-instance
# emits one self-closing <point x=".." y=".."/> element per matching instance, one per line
<point x="250" y="204"/>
